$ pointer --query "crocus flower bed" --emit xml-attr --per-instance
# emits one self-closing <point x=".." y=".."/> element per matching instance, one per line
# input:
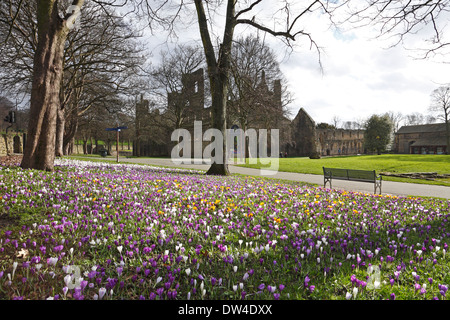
<point x="115" y="231"/>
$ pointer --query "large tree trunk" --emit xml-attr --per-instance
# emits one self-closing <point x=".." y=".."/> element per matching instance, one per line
<point x="39" y="151"/>
<point x="69" y="132"/>
<point x="218" y="111"/>
<point x="218" y="72"/>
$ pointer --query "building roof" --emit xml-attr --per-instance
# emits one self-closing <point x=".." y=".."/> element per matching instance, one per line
<point x="302" y="112"/>
<point x="434" y="127"/>
<point x="432" y="142"/>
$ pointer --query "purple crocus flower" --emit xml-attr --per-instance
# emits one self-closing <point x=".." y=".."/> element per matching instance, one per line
<point x="160" y="291"/>
<point x="307" y="279"/>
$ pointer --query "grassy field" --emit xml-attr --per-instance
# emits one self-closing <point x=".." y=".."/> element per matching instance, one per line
<point x="405" y="163"/>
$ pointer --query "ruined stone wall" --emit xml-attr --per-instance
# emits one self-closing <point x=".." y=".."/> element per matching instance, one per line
<point x="303" y="136"/>
<point x="334" y="142"/>
<point x="11" y="143"/>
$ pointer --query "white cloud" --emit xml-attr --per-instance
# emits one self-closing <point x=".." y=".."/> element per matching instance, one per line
<point x="361" y="77"/>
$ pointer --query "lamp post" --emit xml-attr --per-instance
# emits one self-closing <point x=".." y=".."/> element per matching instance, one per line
<point x="117" y="129"/>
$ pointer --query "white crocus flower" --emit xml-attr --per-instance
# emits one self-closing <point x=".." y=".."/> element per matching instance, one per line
<point x="14" y="268"/>
<point x="67" y="279"/>
<point x="355" y="292"/>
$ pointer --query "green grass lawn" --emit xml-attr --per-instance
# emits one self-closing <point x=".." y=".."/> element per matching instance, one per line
<point x="404" y="163"/>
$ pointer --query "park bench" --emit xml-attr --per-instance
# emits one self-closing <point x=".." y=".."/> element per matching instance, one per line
<point x="352" y="175"/>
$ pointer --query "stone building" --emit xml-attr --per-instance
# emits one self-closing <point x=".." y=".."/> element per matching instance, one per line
<point x="154" y="128"/>
<point x="332" y="142"/>
<point x="422" y="139"/>
<point x="298" y="137"/>
<point x="306" y="139"/>
<point x="151" y="132"/>
<point x="302" y="136"/>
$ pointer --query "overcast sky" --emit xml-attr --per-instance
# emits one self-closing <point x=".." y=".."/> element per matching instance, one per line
<point x="360" y="75"/>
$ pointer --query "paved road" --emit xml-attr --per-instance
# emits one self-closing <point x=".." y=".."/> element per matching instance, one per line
<point x="388" y="187"/>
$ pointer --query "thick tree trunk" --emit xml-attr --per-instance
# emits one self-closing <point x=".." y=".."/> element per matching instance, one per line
<point x="218" y="72"/>
<point x="69" y="134"/>
<point x="219" y="122"/>
<point x="39" y="151"/>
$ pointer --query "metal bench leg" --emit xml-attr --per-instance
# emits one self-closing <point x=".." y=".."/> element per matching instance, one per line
<point x="377" y="185"/>
<point x="325" y="180"/>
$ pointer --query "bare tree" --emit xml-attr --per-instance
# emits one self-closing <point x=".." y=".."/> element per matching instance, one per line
<point x="414" y="119"/>
<point x="100" y="60"/>
<point x="54" y="21"/>
<point x="336" y="121"/>
<point x="440" y="104"/>
<point x="52" y="30"/>
<point x="396" y="118"/>
<point x="219" y="59"/>
<point x="398" y="19"/>
<point x="16" y="54"/>
<point x="258" y="89"/>
<point x="99" y="55"/>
